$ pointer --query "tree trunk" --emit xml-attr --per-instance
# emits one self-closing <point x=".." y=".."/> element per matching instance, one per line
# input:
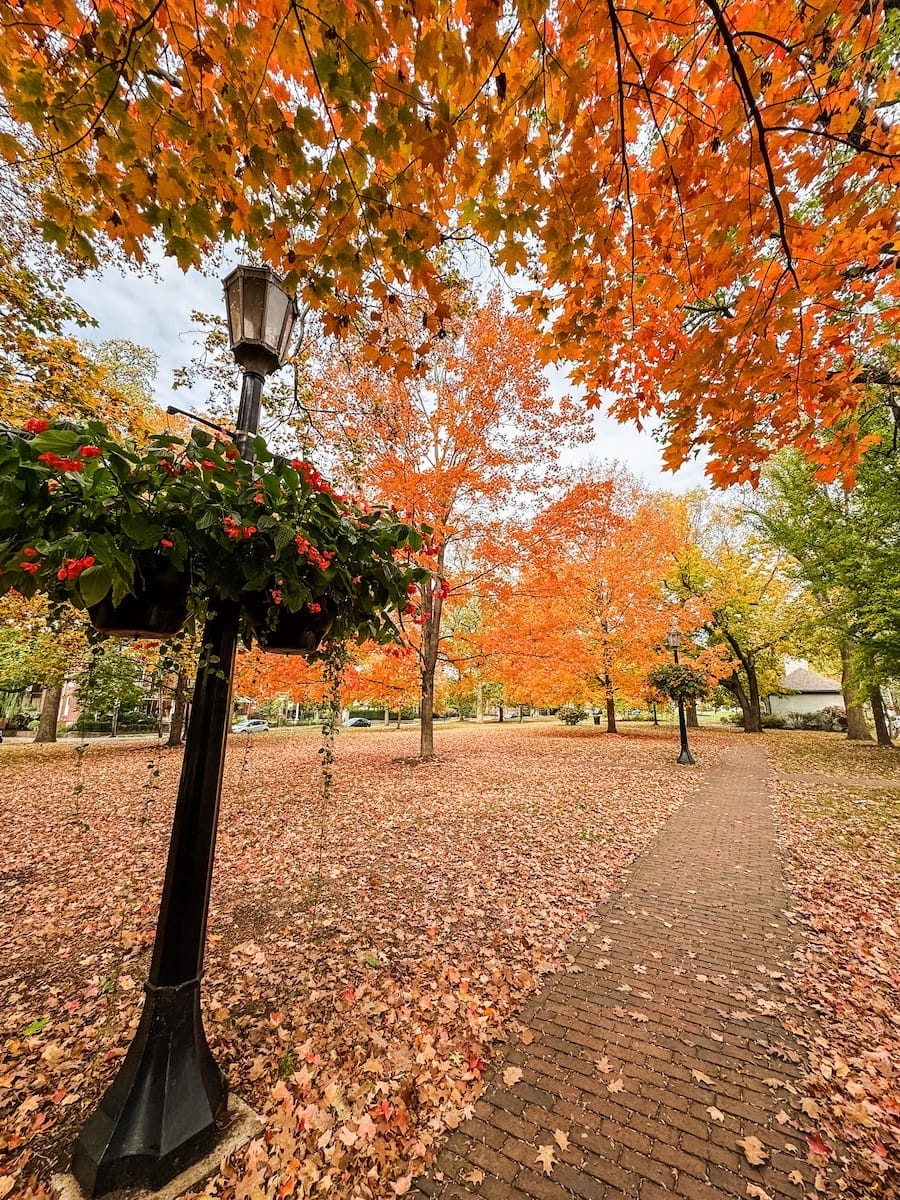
<point x="479" y="703"/>
<point x="49" y="718"/>
<point x="431" y="639"/>
<point x="882" y="731"/>
<point x="749" y="699"/>
<point x="857" y="730"/>
<point x="609" y="690"/>
<point x="179" y="704"/>
<point x="733" y="684"/>
<point x="753" y="717"/>
<point x="387" y="715"/>
<point x="690" y="714"/>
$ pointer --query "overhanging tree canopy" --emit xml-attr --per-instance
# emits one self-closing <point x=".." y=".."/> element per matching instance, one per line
<point x="698" y="199"/>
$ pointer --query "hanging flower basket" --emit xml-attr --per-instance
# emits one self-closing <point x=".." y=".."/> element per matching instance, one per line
<point x="158" y="607"/>
<point x="114" y="527"/>
<point x="280" y="631"/>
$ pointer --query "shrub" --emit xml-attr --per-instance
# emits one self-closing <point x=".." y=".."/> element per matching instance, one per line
<point x="771" y="721"/>
<point x="571" y="714"/>
<point x="828" y="720"/>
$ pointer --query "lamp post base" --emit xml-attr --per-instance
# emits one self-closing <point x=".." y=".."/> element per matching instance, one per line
<point x="686" y="758"/>
<point x="163" y="1110"/>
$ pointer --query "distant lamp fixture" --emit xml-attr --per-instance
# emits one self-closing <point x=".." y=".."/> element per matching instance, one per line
<point x="261" y="317"/>
<point x="673" y="638"/>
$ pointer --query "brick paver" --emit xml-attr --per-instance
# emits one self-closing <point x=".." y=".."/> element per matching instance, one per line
<point x="646" y="1065"/>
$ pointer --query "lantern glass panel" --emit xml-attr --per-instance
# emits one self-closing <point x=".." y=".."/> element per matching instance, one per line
<point x="254" y="309"/>
<point x="276" y="311"/>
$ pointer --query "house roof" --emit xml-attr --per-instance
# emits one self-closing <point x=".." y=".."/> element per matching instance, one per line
<point x="802" y="680"/>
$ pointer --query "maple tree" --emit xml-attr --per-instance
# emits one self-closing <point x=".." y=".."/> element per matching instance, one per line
<point x="452" y="447"/>
<point x="586" y="613"/>
<point x="696" y="200"/>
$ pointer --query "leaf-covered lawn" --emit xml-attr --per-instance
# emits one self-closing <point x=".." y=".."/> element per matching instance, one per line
<point x="364" y="956"/>
<point x="839" y="813"/>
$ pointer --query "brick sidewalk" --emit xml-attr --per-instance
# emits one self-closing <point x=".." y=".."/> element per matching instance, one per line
<point x="644" y="1066"/>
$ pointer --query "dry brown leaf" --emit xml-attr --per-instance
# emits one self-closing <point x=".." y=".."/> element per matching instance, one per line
<point x="616" y="1085"/>
<point x="754" y="1151"/>
<point x="796" y="1177"/>
<point x="474" y="1177"/>
<point x="699" y="1077"/>
<point x="526" y="1037"/>
<point x="810" y="1107"/>
<point x="757" y="1193"/>
<point x="561" y="1138"/>
<point x="512" y="1075"/>
<point x="782" y="1117"/>
<point x="715" y="1114"/>
<point x="546" y="1158"/>
<point x="603" y="1064"/>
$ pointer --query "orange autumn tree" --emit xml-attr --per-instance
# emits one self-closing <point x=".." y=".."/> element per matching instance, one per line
<point x="697" y="200"/>
<point x="264" y="677"/>
<point x="588" y="611"/>
<point x="458" y="446"/>
<point x="388" y="677"/>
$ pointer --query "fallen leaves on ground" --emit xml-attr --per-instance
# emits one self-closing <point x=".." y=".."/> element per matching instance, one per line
<point x="546" y="1157"/>
<point x="754" y="1151"/>
<point x="364" y="958"/>
<point x="839" y="812"/>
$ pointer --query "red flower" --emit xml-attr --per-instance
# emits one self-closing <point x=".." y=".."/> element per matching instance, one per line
<point x="30" y="552"/>
<point x="36" y="425"/>
<point x="313" y="607"/>
<point x="29" y="567"/>
<point x="91" y="451"/>
<point x="259" y="498"/>
<point x="60" y="464"/>
<point x="167" y="543"/>
<point x="232" y="452"/>
<point x="249" y="530"/>
<point x="207" y="465"/>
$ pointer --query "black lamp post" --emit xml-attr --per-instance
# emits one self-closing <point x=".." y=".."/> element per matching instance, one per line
<point x="165" y="1108"/>
<point x="673" y="641"/>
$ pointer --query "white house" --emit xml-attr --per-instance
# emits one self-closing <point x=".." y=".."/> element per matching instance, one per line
<point x="809" y="693"/>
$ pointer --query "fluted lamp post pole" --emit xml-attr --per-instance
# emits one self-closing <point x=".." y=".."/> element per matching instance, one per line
<point x="165" y="1109"/>
<point x="673" y="641"/>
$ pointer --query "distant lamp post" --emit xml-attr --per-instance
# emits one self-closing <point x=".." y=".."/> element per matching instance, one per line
<point x="165" y="1108"/>
<point x="673" y="641"/>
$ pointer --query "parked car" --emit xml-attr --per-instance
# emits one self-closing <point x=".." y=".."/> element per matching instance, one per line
<point x="357" y="723"/>
<point x="257" y="725"/>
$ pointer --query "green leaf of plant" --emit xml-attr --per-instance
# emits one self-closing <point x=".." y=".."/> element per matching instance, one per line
<point x="94" y="583"/>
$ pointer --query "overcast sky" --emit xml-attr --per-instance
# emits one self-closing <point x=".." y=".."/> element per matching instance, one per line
<point x="156" y="312"/>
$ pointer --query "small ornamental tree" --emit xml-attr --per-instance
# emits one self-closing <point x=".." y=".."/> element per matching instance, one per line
<point x="681" y="683"/>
